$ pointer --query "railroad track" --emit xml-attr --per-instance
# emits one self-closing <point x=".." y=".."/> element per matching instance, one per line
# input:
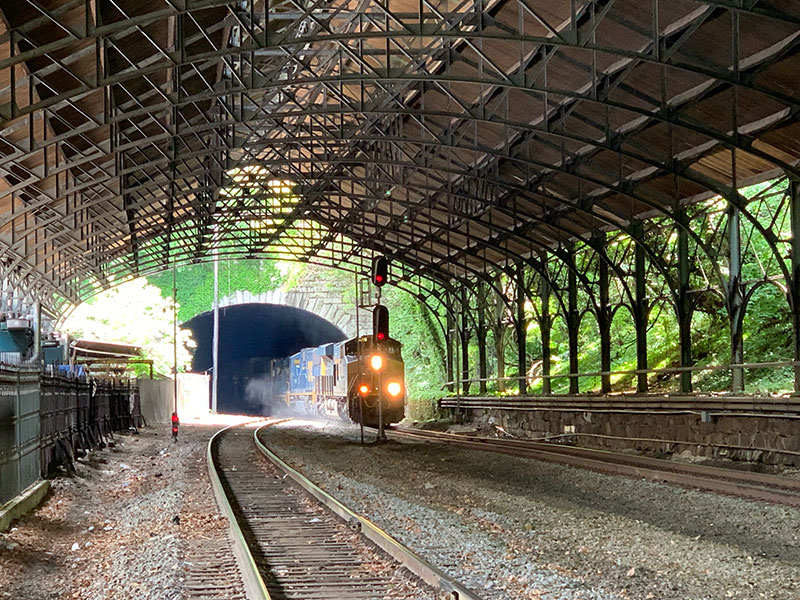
<point x="211" y="571"/>
<point x="744" y="484"/>
<point x="295" y="541"/>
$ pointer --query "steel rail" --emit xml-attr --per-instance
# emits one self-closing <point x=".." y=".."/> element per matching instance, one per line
<point x="631" y="402"/>
<point x="251" y="577"/>
<point x="429" y="573"/>
<point x="743" y="484"/>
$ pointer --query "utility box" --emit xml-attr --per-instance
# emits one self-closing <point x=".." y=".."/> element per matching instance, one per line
<point x="16" y="340"/>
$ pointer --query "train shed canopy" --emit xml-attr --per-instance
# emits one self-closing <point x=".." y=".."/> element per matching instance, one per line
<point x="451" y="135"/>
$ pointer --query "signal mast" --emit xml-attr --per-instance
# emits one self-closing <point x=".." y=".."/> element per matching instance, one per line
<point x="380" y="332"/>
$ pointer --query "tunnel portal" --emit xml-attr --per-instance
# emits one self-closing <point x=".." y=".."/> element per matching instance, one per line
<point x="250" y="336"/>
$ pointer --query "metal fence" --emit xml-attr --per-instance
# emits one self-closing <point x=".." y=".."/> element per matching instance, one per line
<point x="19" y="431"/>
<point x="46" y="422"/>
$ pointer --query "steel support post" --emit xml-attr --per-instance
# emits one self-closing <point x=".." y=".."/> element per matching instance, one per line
<point x="38" y="355"/>
<point x="604" y="314"/>
<point x="448" y="342"/>
<point x="500" y="338"/>
<point x="573" y="320"/>
<point x="640" y="316"/>
<point x="174" y="339"/>
<point x="482" y="370"/>
<point x="522" y="359"/>
<point x="794" y="293"/>
<point x="735" y="298"/>
<point x="544" y="328"/>
<point x="215" y="335"/>
<point x="684" y="308"/>
<point x="464" y="337"/>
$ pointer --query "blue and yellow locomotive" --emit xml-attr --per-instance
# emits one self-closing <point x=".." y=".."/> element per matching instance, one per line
<point x="357" y="379"/>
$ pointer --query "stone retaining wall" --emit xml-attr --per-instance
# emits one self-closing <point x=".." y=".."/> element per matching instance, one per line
<point x="758" y="439"/>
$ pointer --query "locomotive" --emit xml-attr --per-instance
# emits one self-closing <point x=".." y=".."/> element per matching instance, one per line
<point x="360" y="379"/>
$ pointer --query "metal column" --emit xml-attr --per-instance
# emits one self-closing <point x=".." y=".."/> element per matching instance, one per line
<point x="604" y="314"/>
<point x="794" y="295"/>
<point x="640" y="316"/>
<point x="684" y="309"/>
<point x="483" y="372"/>
<point x="573" y="321"/>
<point x="38" y="355"/>
<point x="464" y="337"/>
<point x="449" y="339"/>
<point x="735" y="298"/>
<point x="545" y="325"/>
<point x="215" y="337"/>
<point x="522" y="359"/>
<point x="499" y="338"/>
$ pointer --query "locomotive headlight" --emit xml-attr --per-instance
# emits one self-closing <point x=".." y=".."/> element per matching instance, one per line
<point x="394" y="389"/>
<point x="363" y="389"/>
<point x="376" y="362"/>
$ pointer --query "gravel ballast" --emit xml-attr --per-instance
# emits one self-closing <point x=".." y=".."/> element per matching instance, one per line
<point x="127" y="525"/>
<point x="516" y="528"/>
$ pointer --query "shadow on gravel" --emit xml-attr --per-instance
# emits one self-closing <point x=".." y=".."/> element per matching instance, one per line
<point x="29" y="558"/>
<point x="758" y="530"/>
<point x="49" y="526"/>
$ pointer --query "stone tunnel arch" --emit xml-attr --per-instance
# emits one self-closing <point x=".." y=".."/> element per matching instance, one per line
<point x="250" y="336"/>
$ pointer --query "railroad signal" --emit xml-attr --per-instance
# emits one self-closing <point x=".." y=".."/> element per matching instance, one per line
<point x="380" y="270"/>
<point x="175" y="423"/>
<point x="380" y="323"/>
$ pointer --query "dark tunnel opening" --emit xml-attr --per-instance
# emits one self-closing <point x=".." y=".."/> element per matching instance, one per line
<point x="250" y="336"/>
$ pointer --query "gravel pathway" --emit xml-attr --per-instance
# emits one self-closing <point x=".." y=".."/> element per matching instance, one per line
<point x="515" y="528"/>
<point x="121" y="528"/>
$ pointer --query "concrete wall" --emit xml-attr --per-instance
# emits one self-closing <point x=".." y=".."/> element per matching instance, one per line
<point x="156" y="400"/>
<point x="761" y="439"/>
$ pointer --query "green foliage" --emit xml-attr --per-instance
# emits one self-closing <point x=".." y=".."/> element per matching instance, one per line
<point x="767" y="325"/>
<point x="423" y="351"/>
<point x="133" y="313"/>
<point x="293" y="273"/>
<point x="767" y="338"/>
<point x="195" y="283"/>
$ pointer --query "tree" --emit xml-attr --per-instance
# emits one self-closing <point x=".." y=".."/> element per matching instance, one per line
<point x="133" y="313"/>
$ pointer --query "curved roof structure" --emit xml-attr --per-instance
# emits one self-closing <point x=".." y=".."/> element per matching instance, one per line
<point x="451" y="135"/>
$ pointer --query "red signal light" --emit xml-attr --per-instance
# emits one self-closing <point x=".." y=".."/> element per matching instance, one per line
<point x="175" y="423"/>
<point x="380" y="270"/>
<point x="380" y="323"/>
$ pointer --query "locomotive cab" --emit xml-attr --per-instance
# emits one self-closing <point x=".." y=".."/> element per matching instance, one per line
<point x="375" y="381"/>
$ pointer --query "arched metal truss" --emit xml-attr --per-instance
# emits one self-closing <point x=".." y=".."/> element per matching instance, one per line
<point x="503" y="152"/>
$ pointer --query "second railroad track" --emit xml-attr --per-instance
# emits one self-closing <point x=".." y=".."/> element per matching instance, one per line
<point x="744" y="484"/>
